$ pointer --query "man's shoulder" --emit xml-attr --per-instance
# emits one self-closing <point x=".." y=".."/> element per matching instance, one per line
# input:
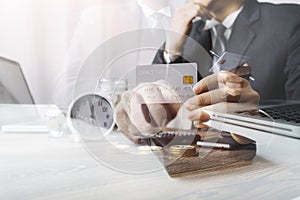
<point x="280" y="9"/>
<point x="284" y="15"/>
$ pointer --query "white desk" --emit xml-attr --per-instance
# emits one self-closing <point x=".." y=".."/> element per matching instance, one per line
<point x="34" y="166"/>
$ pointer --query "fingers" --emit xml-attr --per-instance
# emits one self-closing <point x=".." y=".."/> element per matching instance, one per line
<point x="225" y="94"/>
<point x="129" y="116"/>
<point x="202" y="11"/>
<point x="205" y="99"/>
<point x="139" y="114"/>
<point x="125" y="101"/>
<point x="234" y="85"/>
<point x="157" y="115"/>
<point x="242" y="70"/>
<point x="148" y="108"/>
<point x="123" y="122"/>
<point x="161" y="106"/>
<point x="172" y="109"/>
<point x="187" y="13"/>
<point x="156" y="92"/>
<point x="200" y="125"/>
<point x="213" y="81"/>
<point x="198" y="9"/>
<point x="182" y="23"/>
<point x="198" y="115"/>
<point x="220" y="87"/>
<point x="121" y="118"/>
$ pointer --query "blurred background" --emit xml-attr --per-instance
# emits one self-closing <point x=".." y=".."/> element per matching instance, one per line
<point x="38" y="33"/>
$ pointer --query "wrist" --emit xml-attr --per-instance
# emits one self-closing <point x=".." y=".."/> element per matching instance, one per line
<point x="170" y="56"/>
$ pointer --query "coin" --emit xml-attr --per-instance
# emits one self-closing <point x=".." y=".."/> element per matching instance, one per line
<point x="241" y="139"/>
<point x="183" y="150"/>
<point x="150" y="148"/>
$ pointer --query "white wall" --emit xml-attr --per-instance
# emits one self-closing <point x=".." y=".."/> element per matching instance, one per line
<point x="36" y="33"/>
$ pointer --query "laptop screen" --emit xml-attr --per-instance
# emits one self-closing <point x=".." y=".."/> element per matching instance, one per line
<point x="13" y="86"/>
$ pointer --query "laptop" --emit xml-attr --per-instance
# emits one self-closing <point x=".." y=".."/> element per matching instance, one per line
<point x="282" y="119"/>
<point x="13" y="85"/>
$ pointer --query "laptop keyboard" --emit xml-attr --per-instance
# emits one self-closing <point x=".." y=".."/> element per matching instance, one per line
<point x="288" y="113"/>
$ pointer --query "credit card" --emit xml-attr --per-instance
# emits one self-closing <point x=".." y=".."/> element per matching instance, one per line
<point x="181" y="77"/>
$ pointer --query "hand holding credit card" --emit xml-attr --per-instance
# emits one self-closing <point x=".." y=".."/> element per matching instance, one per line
<point x="234" y="63"/>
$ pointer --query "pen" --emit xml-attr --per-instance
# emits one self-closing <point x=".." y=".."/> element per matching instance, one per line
<point x="218" y="56"/>
<point x="214" y="54"/>
<point x="213" y="145"/>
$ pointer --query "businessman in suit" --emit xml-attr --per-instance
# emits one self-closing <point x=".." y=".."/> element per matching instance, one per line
<point x="268" y="34"/>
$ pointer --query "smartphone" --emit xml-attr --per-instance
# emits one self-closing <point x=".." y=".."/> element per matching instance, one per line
<point x="234" y="63"/>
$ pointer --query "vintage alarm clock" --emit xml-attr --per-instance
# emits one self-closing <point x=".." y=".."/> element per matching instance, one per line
<point x="91" y="116"/>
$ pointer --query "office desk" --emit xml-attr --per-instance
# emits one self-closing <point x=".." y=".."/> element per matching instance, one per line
<point x="35" y="166"/>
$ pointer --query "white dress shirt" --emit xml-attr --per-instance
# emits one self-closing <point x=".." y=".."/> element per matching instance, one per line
<point x="228" y="23"/>
<point x="210" y="24"/>
<point x="156" y="18"/>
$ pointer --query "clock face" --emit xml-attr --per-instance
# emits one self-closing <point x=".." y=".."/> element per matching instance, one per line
<point x="92" y="109"/>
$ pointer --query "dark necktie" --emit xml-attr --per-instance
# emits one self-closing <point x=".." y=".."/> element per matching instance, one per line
<point x="221" y="42"/>
<point x="206" y="41"/>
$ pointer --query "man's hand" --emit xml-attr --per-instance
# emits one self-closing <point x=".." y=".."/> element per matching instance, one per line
<point x="217" y="88"/>
<point x="182" y="23"/>
<point x="147" y="109"/>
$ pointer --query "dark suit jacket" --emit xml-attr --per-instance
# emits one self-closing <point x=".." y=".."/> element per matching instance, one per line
<point x="270" y="35"/>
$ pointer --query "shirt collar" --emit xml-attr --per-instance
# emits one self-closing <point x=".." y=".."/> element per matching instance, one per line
<point x="148" y="12"/>
<point x="230" y="19"/>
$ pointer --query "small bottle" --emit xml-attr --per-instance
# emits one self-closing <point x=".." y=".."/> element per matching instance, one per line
<point x="55" y="121"/>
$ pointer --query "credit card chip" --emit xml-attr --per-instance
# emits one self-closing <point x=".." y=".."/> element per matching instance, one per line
<point x="188" y="80"/>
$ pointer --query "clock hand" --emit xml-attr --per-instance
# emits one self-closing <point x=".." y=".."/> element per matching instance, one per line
<point x="92" y="107"/>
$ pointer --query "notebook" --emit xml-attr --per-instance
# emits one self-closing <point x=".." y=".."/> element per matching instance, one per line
<point x="13" y="85"/>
